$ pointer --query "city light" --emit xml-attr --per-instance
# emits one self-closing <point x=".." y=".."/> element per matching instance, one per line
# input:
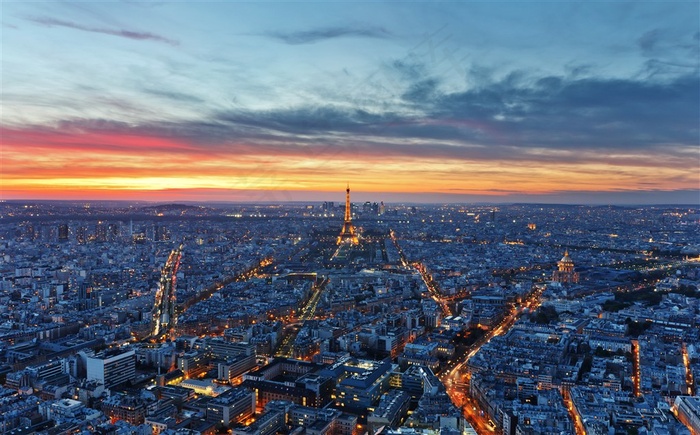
<point x="180" y="250"/>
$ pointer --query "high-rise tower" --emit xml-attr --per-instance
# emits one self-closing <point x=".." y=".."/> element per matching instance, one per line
<point x="347" y="234"/>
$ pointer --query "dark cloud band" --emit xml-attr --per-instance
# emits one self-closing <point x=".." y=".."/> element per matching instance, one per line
<point x="317" y="35"/>
<point x="123" y="33"/>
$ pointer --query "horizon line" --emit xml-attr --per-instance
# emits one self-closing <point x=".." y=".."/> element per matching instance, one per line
<point x="299" y="202"/>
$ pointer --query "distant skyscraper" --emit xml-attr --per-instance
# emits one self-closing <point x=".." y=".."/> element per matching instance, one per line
<point x="565" y="271"/>
<point x="30" y="232"/>
<point x="347" y="234"/>
<point x="101" y="232"/>
<point x="62" y="232"/>
<point x="161" y="233"/>
<point x="87" y="297"/>
<point x="112" y="232"/>
<point x="81" y="235"/>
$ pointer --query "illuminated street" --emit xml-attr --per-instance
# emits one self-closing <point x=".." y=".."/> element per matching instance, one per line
<point x="308" y="312"/>
<point x="636" y="369"/>
<point x="458" y="386"/>
<point x="578" y="424"/>
<point x="163" y="314"/>
<point x="689" y="380"/>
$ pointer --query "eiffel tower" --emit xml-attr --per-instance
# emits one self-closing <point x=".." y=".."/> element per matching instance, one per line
<point x="347" y="234"/>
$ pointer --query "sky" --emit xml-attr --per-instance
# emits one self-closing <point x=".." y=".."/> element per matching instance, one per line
<point x="518" y="101"/>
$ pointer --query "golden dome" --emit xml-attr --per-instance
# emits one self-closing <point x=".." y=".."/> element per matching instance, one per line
<point x="566" y="258"/>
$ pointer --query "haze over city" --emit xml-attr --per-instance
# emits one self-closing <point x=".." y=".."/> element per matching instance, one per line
<point x="409" y="102"/>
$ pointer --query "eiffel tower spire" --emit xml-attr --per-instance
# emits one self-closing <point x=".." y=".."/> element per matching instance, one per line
<point x="347" y="234"/>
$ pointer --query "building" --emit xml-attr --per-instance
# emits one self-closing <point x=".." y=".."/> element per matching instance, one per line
<point x="611" y="344"/>
<point x="297" y="381"/>
<point x="687" y="409"/>
<point x="51" y="371"/>
<point x="177" y="393"/>
<point x="565" y="271"/>
<point x="127" y="408"/>
<point x="305" y="416"/>
<point x="63" y="232"/>
<point x="234" y="406"/>
<point x="204" y="387"/>
<point x="194" y="363"/>
<point x="87" y="391"/>
<point x="416" y="381"/>
<point x="322" y="418"/>
<point x="266" y="424"/>
<point x="88" y="298"/>
<point x="160" y="424"/>
<point x="392" y="408"/>
<point x="346" y="424"/>
<point x="65" y="408"/>
<point x="362" y="383"/>
<point x="112" y="368"/>
<point x="233" y="368"/>
<point x="229" y="349"/>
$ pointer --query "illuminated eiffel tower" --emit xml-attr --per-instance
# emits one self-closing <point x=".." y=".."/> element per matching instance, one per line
<point x="347" y="234"/>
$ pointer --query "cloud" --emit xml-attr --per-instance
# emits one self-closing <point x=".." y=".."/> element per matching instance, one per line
<point x="578" y="70"/>
<point x="595" y="113"/>
<point x="656" y="68"/>
<point x="550" y="118"/>
<point x="173" y="95"/>
<point x="408" y="69"/>
<point x="649" y="41"/>
<point x="421" y="90"/>
<point x="669" y="54"/>
<point x="123" y="33"/>
<point x="520" y="119"/>
<point x="317" y="35"/>
<point x="305" y="120"/>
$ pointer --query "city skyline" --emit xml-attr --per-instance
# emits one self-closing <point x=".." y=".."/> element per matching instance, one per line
<point x="518" y="102"/>
<point x="442" y="319"/>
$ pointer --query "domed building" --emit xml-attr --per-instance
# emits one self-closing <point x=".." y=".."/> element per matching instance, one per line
<point x="565" y="271"/>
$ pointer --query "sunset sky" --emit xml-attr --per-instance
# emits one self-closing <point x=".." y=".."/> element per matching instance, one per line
<point x="592" y="102"/>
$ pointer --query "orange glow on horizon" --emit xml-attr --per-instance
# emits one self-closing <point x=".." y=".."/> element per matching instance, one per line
<point x="80" y="165"/>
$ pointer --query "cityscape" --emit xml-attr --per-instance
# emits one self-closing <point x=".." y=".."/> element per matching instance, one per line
<point x="350" y="218"/>
<point x="349" y="318"/>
